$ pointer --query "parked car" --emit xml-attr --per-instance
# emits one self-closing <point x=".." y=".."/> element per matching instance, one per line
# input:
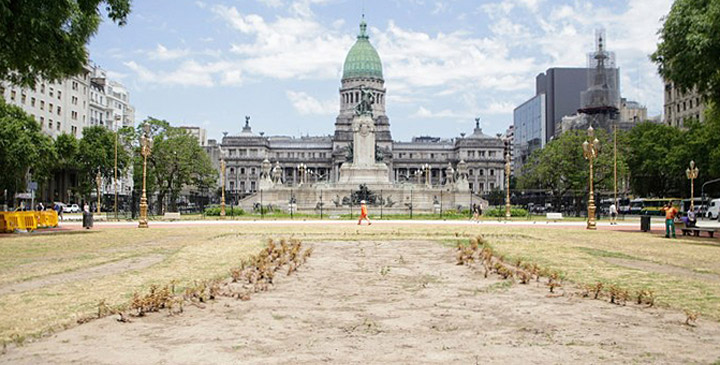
<point x="73" y="208"/>
<point x="713" y="210"/>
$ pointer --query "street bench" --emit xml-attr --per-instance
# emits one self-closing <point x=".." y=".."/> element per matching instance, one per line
<point x="553" y="216"/>
<point x="171" y="215"/>
<point x="695" y="231"/>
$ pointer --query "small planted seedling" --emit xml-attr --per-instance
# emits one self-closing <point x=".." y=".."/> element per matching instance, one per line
<point x="597" y="289"/>
<point x="691" y="317"/>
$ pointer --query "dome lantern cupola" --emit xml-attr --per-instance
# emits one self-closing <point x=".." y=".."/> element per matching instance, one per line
<point x="362" y="61"/>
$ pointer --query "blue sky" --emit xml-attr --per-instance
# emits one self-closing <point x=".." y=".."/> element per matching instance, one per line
<point x="210" y="63"/>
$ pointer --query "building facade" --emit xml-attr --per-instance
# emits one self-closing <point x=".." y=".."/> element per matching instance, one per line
<point x="198" y="133"/>
<point x="322" y="156"/>
<point x="530" y="129"/>
<point x="59" y="107"/>
<point x="70" y="105"/>
<point x="680" y="106"/>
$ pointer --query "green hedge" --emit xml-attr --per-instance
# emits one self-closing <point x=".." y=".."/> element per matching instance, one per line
<point x="500" y="212"/>
<point x="215" y="211"/>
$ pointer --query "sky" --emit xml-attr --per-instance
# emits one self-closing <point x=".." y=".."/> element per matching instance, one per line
<point x="210" y="63"/>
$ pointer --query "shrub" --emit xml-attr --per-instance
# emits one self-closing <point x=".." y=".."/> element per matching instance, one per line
<point x="214" y="211"/>
<point x="500" y="212"/>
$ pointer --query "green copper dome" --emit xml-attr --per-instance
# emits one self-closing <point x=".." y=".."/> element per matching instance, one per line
<point x="363" y="60"/>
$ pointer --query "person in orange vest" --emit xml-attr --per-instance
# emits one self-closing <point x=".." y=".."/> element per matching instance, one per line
<point x="670" y="213"/>
<point x="363" y="213"/>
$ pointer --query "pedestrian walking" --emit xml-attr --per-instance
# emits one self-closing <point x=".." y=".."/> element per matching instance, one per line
<point x="59" y="210"/>
<point x="87" y="217"/>
<point x="363" y="213"/>
<point x="613" y="214"/>
<point x="475" y="213"/>
<point x="670" y="213"/>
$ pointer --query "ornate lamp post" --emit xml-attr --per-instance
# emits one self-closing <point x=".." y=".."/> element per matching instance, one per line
<point x="222" y="183"/>
<point x="145" y="149"/>
<point x="692" y="174"/>
<point x="98" y="180"/>
<point x="302" y="171"/>
<point x="426" y="169"/>
<point x="591" y="148"/>
<point x="115" y="185"/>
<point x="615" y="175"/>
<point x="507" y="178"/>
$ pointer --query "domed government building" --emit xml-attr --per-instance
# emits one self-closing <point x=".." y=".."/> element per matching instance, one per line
<point x="309" y="160"/>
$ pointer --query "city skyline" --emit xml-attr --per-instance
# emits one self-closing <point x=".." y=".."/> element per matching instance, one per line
<point x="210" y="64"/>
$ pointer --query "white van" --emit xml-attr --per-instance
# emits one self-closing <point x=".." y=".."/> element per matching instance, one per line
<point x="713" y="209"/>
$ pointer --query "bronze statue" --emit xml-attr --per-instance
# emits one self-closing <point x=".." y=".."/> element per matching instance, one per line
<point x="367" y="100"/>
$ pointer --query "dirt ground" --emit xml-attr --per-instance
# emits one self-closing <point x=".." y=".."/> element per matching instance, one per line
<point x="388" y="302"/>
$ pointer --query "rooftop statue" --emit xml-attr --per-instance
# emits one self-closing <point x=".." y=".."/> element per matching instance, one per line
<point x="367" y="100"/>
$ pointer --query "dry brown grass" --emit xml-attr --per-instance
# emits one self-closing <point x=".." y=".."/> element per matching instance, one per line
<point x="204" y="253"/>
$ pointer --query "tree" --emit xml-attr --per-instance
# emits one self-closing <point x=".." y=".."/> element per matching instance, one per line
<point x="177" y="160"/>
<point x="657" y="169"/>
<point x="560" y="167"/>
<point x="23" y="149"/>
<point x="97" y="154"/>
<point x="46" y="39"/>
<point x="660" y="154"/>
<point x="689" y="49"/>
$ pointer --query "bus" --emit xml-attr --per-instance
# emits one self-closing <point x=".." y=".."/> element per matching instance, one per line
<point x="651" y="206"/>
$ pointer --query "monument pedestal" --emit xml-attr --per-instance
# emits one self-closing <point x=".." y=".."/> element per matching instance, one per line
<point x="375" y="174"/>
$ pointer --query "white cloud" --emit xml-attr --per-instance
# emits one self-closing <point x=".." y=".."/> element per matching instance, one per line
<point x="272" y="3"/>
<point x="425" y="113"/>
<point x="189" y="73"/>
<point x="162" y="53"/>
<point x="286" y="47"/>
<point x="308" y="105"/>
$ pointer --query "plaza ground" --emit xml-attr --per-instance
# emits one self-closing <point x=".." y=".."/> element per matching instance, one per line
<point x="390" y="292"/>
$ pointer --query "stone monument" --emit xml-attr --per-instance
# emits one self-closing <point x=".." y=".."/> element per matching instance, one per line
<point x="363" y="169"/>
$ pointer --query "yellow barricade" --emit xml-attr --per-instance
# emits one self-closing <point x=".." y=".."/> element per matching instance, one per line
<point x="49" y="218"/>
<point x="3" y="221"/>
<point x="27" y="221"/>
<point x="10" y="221"/>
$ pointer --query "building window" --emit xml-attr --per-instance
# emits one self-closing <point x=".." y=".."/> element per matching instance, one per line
<point x="252" y="171"/>
<point x="50" y="107"/>
<point x="42" y="104"/>
<point x="50" y="123"/>
<point x="42" y="88"/>
<point x="59" y="94"/>
<point x="492" y="186"/>
<point x="22" y="98"/>
<point x="58" y="125"/>
<point x="242" y="171"/>
<point x="51" y="92"/>
<point x="58" y="110"/>
<point x="74" y="100"/>
<point x="12" y="95"/>
<point x="32" y="101"/>
<point x="482" y="172"/>
<point x="492" y="173"/>
<point x="74" y="85"/>
<point x="74" y="130"/>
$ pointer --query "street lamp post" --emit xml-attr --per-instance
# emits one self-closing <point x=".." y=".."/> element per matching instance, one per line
<point x="507" y="179"/>
<point x="222" y="183"/>
<point x="98" y="180"/>
<point x="615" y="166"/>
<point x="426" y="169"/>
<point x="116" y="173"/>
<point x="591" y="148"/>
<point x="145" y="149"/>
<point x="692" y="174"/>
